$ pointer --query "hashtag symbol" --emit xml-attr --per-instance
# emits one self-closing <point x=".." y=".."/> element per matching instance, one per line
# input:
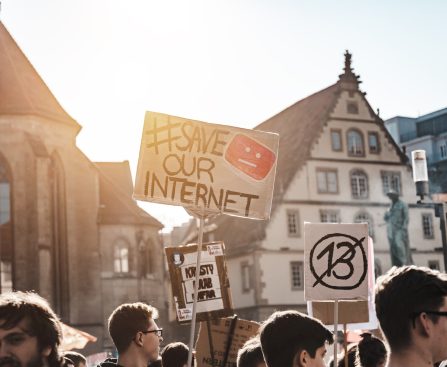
<point x="160" y="135"/>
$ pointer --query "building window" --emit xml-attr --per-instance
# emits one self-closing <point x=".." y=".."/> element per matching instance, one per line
<point x="443" y="148"/>
<point x="373" y="142"/>
<point x="327" y="181"/>
<point x="6" y="253"/>
<point x="359" y="184"/>
<point x="329" y="216"/>
<point x="121" y="257"/>
<point x="434" y="264"/>
<point x="246" y="281"/>
<point x="364" y="217"/>
<point x="352" y="107"/>
<point x="297" y="275"/>
<point x="390" y="180"/>
<point x="355" y="143"/>
<point x="427" y="225"/>
<point x="293" y="223"/>
<point x="336" y="140"/>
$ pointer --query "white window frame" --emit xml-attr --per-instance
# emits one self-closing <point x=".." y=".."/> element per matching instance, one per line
<point x="297" y="272"/>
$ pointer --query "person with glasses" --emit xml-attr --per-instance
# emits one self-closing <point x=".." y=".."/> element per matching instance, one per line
<point x="135" y="334"/>
<point x="293" y="339"/>
<point x="30" y="332"/>
<point x="411" y="306"/>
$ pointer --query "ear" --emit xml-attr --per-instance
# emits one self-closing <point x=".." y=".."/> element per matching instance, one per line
<point x="46" y="351"/>
<point x="139" y="339"/>
<point x="301" y="359"/>
<point x="426" y="324"/>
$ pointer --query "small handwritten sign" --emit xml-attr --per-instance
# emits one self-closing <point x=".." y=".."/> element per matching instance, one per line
<point x="213" y="296"/>
<point x="206" y="167"/>
<point x="336" y="261"/>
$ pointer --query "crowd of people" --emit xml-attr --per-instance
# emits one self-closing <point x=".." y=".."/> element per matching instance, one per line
<point x="411" y="306"/>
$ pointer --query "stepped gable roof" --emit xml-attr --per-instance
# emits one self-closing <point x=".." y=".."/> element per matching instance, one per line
<point x="298" y="127"/>
<point x="22" y="90"/>
<point x="116" y="204"/>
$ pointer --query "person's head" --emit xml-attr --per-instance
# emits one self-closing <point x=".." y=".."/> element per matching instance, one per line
<point x="133" y="325"/>
<point x="30" y="332"/>
<point x="175" y="355"/>
<point x="290" y="338"/>
<point x="250" y="355"/>
<point x="407" y="299"/>
<point x="371" y="352"/>
<point x="393" y="195"/>
<point x="76" y="358"/>
<point x="350" y="355"/>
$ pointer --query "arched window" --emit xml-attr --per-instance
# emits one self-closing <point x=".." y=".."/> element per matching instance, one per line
<point x="359" y="184"/>
<point x="121" y="257"/>
<point x="6" y="250"/>
<point x="356" y="147"/>
<point x="364" y="217"/>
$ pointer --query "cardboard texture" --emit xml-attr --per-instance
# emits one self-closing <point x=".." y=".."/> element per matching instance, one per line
<point x="335" y="261"/>
<point x="214" y="297"/>
<point x="348" y="312"/>
<point x="220" y="329"/>
<point x="206" y="168"/>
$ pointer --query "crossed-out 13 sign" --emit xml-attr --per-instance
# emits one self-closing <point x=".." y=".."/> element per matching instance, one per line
<point x="213" y="296"/>
<point x="336" y="261"/>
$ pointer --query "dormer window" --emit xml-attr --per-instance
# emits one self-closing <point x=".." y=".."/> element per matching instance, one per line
<point x="356" y="147"/>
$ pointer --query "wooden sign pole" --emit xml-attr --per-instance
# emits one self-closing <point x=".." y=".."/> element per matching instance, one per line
<point x="335" y="331"/>
<point x="196" y="290"/>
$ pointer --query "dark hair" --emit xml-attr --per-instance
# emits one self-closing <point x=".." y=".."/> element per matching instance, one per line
<point x="401" y="294"/>
<point x="250" y="354"/>
<point x="371" y="351"/>
<point x="127" y="320"/>
<point x="156" y="363"/>
<point x="351" y="355"/>
<point x="41" y="321"/>
<point x="285" y="333"/>
<point x="75" y="357"/>
<point x="174" y="355"/>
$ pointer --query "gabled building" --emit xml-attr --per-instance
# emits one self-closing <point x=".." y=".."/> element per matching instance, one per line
<point x="336" y="163"/>
<point x="427" y="132"/>
<point x="69" y="228"/>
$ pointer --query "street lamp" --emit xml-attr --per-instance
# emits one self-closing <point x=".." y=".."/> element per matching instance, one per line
<point x="420" y="177"/>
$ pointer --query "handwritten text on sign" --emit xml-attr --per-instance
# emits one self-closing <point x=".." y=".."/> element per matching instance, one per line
<point x="213" y="294"/>
<point x="206" y="166"/>
<point x="336" y="261"/>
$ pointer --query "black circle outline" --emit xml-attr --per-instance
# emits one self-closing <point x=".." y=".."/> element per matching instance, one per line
<point x="365" y="262"/>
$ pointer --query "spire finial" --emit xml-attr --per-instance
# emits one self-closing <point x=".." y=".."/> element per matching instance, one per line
<point x="348" y="78"/>
<point x="348" y="58"/>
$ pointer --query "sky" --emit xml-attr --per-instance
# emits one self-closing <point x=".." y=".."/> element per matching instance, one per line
<point x="232" y="62"/>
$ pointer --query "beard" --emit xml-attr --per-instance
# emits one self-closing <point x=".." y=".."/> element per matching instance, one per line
<point x="36" y="361"/>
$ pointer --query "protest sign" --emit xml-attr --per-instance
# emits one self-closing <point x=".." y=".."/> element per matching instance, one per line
<point x="220" y="330"/>
<point x="213" y="297"/>
<point x="336" y="261"/>
<point x="206" y="168"/>
<point x="348" y="312"/>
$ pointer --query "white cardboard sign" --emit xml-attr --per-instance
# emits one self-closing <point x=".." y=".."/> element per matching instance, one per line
<point x="214" y="295"/>
<point x="335" y="261"/>
<point x="206" y="167"/>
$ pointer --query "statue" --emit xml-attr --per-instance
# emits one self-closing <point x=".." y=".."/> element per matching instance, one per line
<point x="397" y="230"/>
